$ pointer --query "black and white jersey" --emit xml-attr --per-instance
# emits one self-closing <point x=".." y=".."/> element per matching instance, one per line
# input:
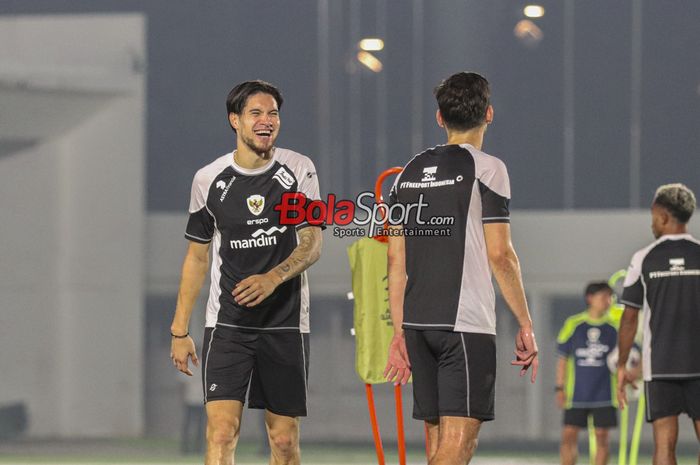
<point x="232" y="207"/>
<point x="449" y="278"/>
<point x="664" y="280"/>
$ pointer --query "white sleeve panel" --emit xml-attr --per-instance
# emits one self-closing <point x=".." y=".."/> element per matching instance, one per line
<point x="200" y="188"/>
<point x="203" y="179"/>
<point x="633" y="288"/>
<point x="308" y="182"/>
<point x="492" y="173"/>
<point x="304" y="171"/>
<point x="634" y="271"/>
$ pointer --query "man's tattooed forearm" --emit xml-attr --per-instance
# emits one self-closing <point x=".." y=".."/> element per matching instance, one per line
<point x="303" y="256"/>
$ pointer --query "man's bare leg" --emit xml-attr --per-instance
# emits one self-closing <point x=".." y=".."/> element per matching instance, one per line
<point x="283" y="433"/>
<point x="665" y="438"/>
<point x="458" y="437"/>
<point x="433" y="428"/>
<point x="696" y="423"/>
<point x="568" y="450"/>
<point x="602" y="444"/>
<point x="223" y="429"/>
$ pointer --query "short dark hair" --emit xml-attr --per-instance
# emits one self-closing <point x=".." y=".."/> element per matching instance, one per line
<point x="237" y="98"/>
<point x="677" y="199"/>
<point x="463" y="99"/>
<point x="596" y="287"/>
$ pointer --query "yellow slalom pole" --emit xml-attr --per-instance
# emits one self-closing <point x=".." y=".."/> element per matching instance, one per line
<point x="591" y="441"/>
<point x="624" y="420"/>
<point x="637" y="432"/>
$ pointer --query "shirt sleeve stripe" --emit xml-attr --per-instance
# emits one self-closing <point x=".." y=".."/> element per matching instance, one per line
<point x="631" y="304"/>
<point x="503" y="219"/>
<point x="201" y="240"/>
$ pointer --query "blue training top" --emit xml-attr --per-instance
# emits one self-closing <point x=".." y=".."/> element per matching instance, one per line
<point x="585" y="342"/>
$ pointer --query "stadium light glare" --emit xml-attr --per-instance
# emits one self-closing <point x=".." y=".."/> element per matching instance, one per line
<point x="528" y="33"/>
<point x="371" y="44"/>
<point x="533" y="11"/>
<point x="370" y="61"/>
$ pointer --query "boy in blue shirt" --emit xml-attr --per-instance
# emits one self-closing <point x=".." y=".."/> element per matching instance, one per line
<point x="585" y="386"/>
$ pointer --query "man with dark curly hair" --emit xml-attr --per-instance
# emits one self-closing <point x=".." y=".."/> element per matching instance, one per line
<point x="256" y="341"/>
<point x="440" y="293"/>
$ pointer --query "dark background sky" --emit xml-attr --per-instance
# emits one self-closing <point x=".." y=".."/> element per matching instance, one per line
<point x="198" y="50"/>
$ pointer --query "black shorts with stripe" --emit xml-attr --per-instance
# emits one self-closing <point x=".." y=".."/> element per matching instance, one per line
<point x="454" y="374"/>
<point x="666" y="398"/>
<point x="272" y="367"/>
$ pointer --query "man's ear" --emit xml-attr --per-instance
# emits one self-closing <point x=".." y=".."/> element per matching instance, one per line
<point x="438" y="118"/>
<point x="665" y="216"/>
<point x="233" y="120"/>
<point x="489" y="114"/>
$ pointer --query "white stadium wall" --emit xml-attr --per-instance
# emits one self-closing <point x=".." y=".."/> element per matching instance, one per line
<point x="72" y="197"/>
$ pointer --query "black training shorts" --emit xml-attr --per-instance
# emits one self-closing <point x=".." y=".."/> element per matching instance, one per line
<point x="271" y="366"/>
<point x="454" y="374"/>
<point x="671" y="398"/>
<point x="603" y="417"/>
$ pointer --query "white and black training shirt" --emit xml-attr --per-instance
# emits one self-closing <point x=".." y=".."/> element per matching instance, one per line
<point x="232" y="207"/>
<point x="664" y="280"/>
<point x="449" y="278"/>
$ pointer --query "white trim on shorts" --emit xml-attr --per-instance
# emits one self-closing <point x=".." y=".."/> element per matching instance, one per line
<point x="466" y="366"/>
<point x="303" y="361"/>
<point x="206" y="366"/>
<point x="648" y="401"/>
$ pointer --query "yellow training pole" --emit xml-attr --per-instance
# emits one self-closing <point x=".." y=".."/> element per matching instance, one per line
<point x="637" y="432"/>
<point x="624" y="420"/>
<point x="591" y="441"/>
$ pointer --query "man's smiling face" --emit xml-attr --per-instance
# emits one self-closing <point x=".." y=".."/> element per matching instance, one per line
<point x="259" y="122"/>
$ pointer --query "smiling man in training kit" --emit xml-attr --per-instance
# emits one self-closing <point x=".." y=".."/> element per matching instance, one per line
<point x="257" y="319"/>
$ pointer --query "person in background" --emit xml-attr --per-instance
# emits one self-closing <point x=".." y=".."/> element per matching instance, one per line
<point x="663" y="281"/>
<point x="584" y="384"/>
